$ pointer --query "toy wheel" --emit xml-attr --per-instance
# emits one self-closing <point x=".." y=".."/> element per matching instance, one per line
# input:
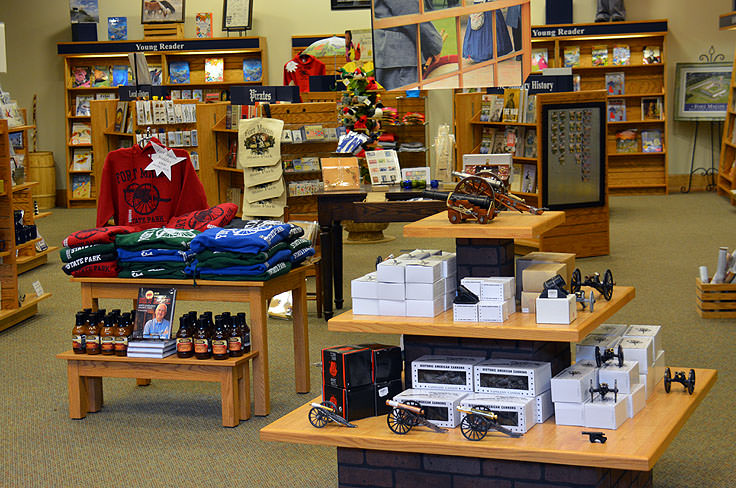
<point x="691" y="382"/>
<point x="608" y="285"/>
<point x="482" y="219"/>
<point x="474" y="427"/>
<point x="398" y="421"/>
<point x="575" y="281"/>
<point x="317" y="417"/>
<point x="667" y="380"/>
<point x="413" y="419"/>
<point x="592" y="301"/>
<point x="598" y="359"/>
<point x="620" y="356"/>
<point x="454" y="217"/>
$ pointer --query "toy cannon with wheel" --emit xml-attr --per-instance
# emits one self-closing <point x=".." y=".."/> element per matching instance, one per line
<point x="555" y="286"/>
<point x="604" y="287"/>
<point x="603" y="390"/>
<point x="688" y="383"/>
<point x="404" y="416"/>
<point x="478" y="421"/>
<point x="608" y="354"/>
<point x="323" y="413"/>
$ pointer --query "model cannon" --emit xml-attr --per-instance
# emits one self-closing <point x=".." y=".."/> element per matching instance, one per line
<point x="608" y="354"/>
<point x="603" y="390"/>
<point x="556" y="284"/>
<point x="478" y="421"/>
<point x="404" y="416"/>
<point x="604" y="287"/>
<point x="688" y="383"/>
<point x="323" y="413"/>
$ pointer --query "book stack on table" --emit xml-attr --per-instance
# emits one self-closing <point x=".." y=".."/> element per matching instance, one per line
<point x="151" y="348"/>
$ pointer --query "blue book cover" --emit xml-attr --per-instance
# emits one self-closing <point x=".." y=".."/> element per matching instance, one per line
<point x="179" y="72"/>
<point x="252" y="70"/>
<point x="120" y="75"/>
<point x="117" y="28"/>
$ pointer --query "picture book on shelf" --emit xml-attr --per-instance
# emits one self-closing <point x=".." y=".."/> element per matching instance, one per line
<point x="530" y="109"/>
<point x="81" y="186"/>
<point x="82" y="105"/>
<point x="203" y="24"/>
<point x="252" y="69"/>
<point x="156" y="74"/>
<point x="214" y="70"/>
<point x="81" y="133"/>
<point x="651" y="140"/>
<point x="511" y="105"/>
<point x="120" y="75"/>
<point x="621" y="55"/>
<point x="599" y="55"/>
<point x="616" y="83"/>
<point x="499" y="142"/>
<point x="121" y="113"/>
<point x="651" y="108"/>
<point x="12" y="114"/>
<point x="626" y="141"/>
<point x="101" y="76"/>
<point x="510" y="136"/>
<point x="530" y="143"/>
<point x="651" y="55"/>
<point x="486" y="141"/>
<point x="485" y="107"/>
<point x="16" y="140"/>
<point x="539" y="59"/>
<point x="572" y="56"/>
<point x="528" y="178"/>
<point x="117" y="28"/>
<point x="82" y="160"/>
<point x="197" y="95"/>
<point x="496" y="108"/>
<point x="81" y="76"/>
<point x="154" y="313"/>
<point x="179" y="72"/>
<point x="616" y="110"/>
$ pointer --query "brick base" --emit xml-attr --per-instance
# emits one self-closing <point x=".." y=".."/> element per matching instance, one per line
<point x="362" y="467"/>
<point x="484" y="257"/>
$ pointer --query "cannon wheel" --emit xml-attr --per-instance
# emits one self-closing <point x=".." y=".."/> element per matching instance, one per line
<point x="575" y="281"/>
<point x="453" y="216"/>
<point x="691" y="382"/>
<point x="482" y="219"/>
<point x="317" y="417"/>
<point x="608" y="285"/>
<point x="598" y="359"/>
<point x="592" y="301"/>
<point x="667" y="380"/>
<point x="399" y="421"/>
<point x="474" y="427"/>
<point x="414" y="419"/>
<point x="620" y="356"/>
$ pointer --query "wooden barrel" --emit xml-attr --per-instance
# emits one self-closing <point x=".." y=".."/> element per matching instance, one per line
<point x="41" y="168"/>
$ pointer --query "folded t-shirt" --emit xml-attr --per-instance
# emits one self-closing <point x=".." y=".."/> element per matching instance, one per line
<point x="155" y="256"/>
<point x="78" y="263"/>
<point x="97" y="235"/>
<point x="217" y="216"/>
<point x="160" y="238"/>
<point x="249" y="240"/>
<point x="242" y="259"/>
<point x="69" y="254"/>
<point x="277" y="270"/>
<point x="106" y="269"/>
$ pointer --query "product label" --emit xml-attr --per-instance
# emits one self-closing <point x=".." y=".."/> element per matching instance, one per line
<point x="233" y="344"/>
<point x="201" y="346"/>
<point x="78" y="341"/>
<point x="219" y="346"/>
<point x="184" y="344"/>
<point x="108" y="343"/>
<point x="93" y="343"/>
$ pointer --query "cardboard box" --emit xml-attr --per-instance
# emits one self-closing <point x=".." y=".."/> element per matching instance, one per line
<point x="572" y="383"/>
<point x="425" y="308"/>
<point x="652" y="331"/>
<point x="624" y="377"/>
<point x="636" y="400"/>
<point x="425" y="291"/>
<point x="391" y="271"/>
<point x="354" y="403"/>
<point x="440" y="407"/>
<point x="392" y="308"/>
<point x="640" y="349"/>
<point x="532" y="258"/>
<point x="386" y="361"/>
<point x="424" y="271"/>
<point x="346" y="366"/>
<point x="556" y="310"/>
<point x="454" y="373"/>
<point x="585" y="349"/>
<point x="606" y="413"/>
<point x="365" y="286"/>
<point x="534" y="276"/>
<point x="613" y="330"/>
<point x="465" y="312"/>
<point x="544" y="406"/>
<point x="365" y="306"/>
<point x="570" y="414"/>
<point x="497" y="289"/>
<point x="495" y="311"/>
<point x="386" y="391"/>
<point x="529" y="301"/>
<point x="512" y="377"/>
<point x="518" y="414"/>
<point x="391" y="291"/>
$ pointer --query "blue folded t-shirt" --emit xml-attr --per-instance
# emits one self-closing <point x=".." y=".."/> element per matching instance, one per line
<point x="248" y="240"/>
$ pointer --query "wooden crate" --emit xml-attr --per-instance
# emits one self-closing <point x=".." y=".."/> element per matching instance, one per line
<point x="155" y="32"/>
<point x="715" y="301"/>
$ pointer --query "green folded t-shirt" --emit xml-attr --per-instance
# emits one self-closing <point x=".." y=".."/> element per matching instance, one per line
<point x="69" y="254"/>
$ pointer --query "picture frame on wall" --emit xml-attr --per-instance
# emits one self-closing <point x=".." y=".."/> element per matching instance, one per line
<point x="162" y="11"/>
<point x="237" y="15"/>
<point x="701" y="91"/>
<point x="349" y="4"/>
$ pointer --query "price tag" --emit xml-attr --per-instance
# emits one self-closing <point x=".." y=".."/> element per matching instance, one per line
<point x="551" y="293"/>
<point x="39" y="289"/>
<point x="163" y="160"/>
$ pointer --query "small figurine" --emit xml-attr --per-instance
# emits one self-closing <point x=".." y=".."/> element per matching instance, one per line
<point x="604" y="287"/>
<point x="688" y="383"/>
<point x="478" y="420"/>
<point x="596" y="437"/>
<point x="406" y="415"/>
<point x="610" y="11"/>
<point x="608" y="354"/>
<point x="603" y="390"/>
<point x="323" y="413"/>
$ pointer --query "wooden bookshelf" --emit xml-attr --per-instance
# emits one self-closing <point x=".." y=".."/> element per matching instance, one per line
<point x="726" y="178"/>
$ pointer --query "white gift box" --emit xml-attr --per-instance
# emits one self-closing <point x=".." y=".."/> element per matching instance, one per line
<point x="615" y="330"/>
<point x="585" y="349"/>
<point x="391" y="291"/>
<point x="396" y="308"/>
<point x="440" y="407"/>
<point x="624" y="377"/>
<point x="495" y="311"/>
<point x="649" y="380"/>
<point x="391" y="271"/>
<point x="448" y="262"/>
<point x="512" y="377"/>
<point x="365" y="306"/>
<point x="652" y="331"/>
<point x="472" y="284"/>
<point x="424" y="271"/>
<point x="659" y="365"/>
<point x="419" y="254"/>
<point x="365" y="286"/>
<point x="606" y="413"/>
<point x="636" y="400"/>
<point x="518" y="414"/>
<point x="556" y="310"/>
<point x="428" y="252"/>
<point x="570" y="414"/>
<point x="638" y="349"/>
<point x="465" y="312"/>
<point x="453" y="373"/>
<point x="544" y="406"/>
<point x="571" y="384"/>
<point x="425" y="308"/>
<point x="498" y="289"/>
<point x="425" y="291"/>
<point x="449" y="298"/>
<point x="450" y="284"/>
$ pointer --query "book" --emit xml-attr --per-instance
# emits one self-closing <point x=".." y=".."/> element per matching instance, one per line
<point x="651" y="140"/>
<point x="197" y="95"/>
<point x="530" y="143"/>
<point x="626" y="141"/>
<point x="529" y="178"/>
<point x="516" y="175"/>
<point x="485" y="107"/>
<point x="203" y="24"/>
<point x="117" y="28"/>
<point x="82" y="105"/>
<point x="82" y="160"/>
<point x="539" y="60"/>
<point x="155" y="73"/>
<point x="179" y="72"/>
<point x="599" y="55"/>
<point x="572" y="56"/>
<point x="486" y="142"/>
<point x="154" y="313"/>
<point x="101" y="76"/>
<point x="12" y="113"/>
<point x="81" y="133"/>
<point x="651" y="55"/>
<point x="615" y="83"/>
<point x="520" y="140"/>
<point x="575" y="82"/>
<point x="81" y="76"/>
<point x="510" y="136"/>
<point x="530" y="109"/>
<point x="616" y="110"/>
<point x="16" y="140"/>
<point x="651" y="108"/>
<point x="499" y="142"/>
<point x="81" y="186"/>
<point x="214" y="70"/>
<point x="252" y="69"/>
<point x="621" y="55"/>
<point x="120" y="75"/>
<point x="511" y="105"/>
<point x="496" y="108"/>
<point x="121" y="113"/>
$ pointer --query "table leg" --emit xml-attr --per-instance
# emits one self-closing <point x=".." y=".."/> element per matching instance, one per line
<point x="301" y="337"/>
<point x="94" y="393"/>
<point x="87" y="300"/>
<point x="337" y="265"/>
<point x="229" y="390"/>
<point x="325" y="236"/>
<point x="259" y="342"/>
<point x="244" y="390"/>
<point x="77" y="391"/>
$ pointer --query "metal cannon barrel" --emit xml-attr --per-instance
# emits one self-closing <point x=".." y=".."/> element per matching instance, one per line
<point x="481" y="201"/>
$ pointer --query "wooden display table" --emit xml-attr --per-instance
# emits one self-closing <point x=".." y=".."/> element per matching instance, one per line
<point x="506" y="225"/>
<point x="85" y="375"/>
<point x="255" y="293"/>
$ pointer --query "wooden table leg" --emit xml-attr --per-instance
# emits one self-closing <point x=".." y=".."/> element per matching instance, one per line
<point x="87" y="299"/>
<point x="229" y="392"/>
<point x="301" y="337"/>
<point x="77" y="391"/>
<point x="244" y="390"/>
<point x="337" y="264"/>
<point x="325" y="236"/>
<point x="94" y="393"/>
<point x="259" y="342"/>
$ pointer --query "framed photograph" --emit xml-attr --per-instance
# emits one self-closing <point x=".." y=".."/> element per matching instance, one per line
<point x="237" y="15"/>
<point x="701" y="91"/>
<point x="349" y="4"/>
<point x="84" y="11"/>
<point x="162" y="11"/>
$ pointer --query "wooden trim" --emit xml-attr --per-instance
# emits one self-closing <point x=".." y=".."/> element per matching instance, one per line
<point x="399" y="20"/>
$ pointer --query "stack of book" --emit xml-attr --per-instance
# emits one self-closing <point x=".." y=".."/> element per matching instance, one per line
<point x="151" y="348"/>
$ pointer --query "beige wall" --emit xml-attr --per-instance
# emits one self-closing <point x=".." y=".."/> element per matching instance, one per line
<point x="33" y="27"/>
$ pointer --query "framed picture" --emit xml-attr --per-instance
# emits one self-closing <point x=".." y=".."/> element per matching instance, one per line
<point x="84" y="11"/>
<point x="701" y="91"/>
<point x="162" y="11"/>
<point x="237" y="15"/>
<point x="349" y="4"/>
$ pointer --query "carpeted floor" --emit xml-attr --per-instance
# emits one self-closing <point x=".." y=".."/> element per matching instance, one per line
<point x="169" y="433"/>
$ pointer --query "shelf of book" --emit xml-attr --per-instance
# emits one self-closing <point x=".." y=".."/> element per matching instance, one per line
<point x="726" y="182"/>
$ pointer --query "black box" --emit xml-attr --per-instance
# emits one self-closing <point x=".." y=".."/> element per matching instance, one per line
<point x="84" y="31"/>
<point x="386" y="391"/>
<point x="346" y="366"/>
<point x="387" y="362"/>
<point x="559" y="12"/>
<point x="353" y="404"/>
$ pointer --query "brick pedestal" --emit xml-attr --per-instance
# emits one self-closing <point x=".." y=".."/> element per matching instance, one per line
<point x="484" y="257"/>
<point x="363" y="467"/>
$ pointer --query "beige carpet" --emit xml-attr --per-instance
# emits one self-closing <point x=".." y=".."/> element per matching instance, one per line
<point x="169" y="434"/>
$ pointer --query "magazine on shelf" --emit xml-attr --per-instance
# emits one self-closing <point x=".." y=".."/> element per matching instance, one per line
<point x="626" y="141"/>
<point x="154" y="313"/>
<point x="621" y="55"/>
<point x="511" y="104"/>
<point x="529" y="178"/>
<point x="81" y="186"/>
<point x="651" y="140"/>
<point x="101" y="76"/>
<point x="530" y="143"/>
<point x="599" y="55"/>
<point x="615" y="83"/>
<point x="179" y="72"/>
<point x="82" y="105"/>
<point x="651" y="108"/>
<point x="572" y="56"/>
<point x="651" y="55"/>
<point x="540" y="57"/>
<point x="82" y="160"/>
<point x="485" y="108"/>
<point x="81" y="76"/>
<point x="616" y="110"/>
<point x="497" y="108"/>
<point x="530" y="109"/>
<point x="214" y="70"/>
<point x="499" y="142"/>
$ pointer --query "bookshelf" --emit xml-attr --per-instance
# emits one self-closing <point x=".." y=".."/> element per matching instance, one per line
<point x="233" y="51"/>
<point x="636" y="172"/>
<point x="727" y="164"/>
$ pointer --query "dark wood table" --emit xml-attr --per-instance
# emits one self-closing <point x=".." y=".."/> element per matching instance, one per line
<point x="336" y="206"/>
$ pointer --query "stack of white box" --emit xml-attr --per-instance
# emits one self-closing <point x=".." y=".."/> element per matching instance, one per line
<point x="497" y="300"/>
<point x="418" y="284"/>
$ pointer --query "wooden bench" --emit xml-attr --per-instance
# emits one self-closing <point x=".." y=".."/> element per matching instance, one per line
<point x="85" y="375"/>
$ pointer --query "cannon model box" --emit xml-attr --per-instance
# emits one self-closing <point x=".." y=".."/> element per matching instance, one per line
<point x="512" y="377"/>
<point x="353" y="404"/>
<point x="386" y="391"/>
<point x="453" y="373"/>
<point x="346" y="366"/>
<point x="518" y="414"/>
<point x="440" y="407"/>
<point x="387" y="362"/>
<point x="571" y="384"/>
